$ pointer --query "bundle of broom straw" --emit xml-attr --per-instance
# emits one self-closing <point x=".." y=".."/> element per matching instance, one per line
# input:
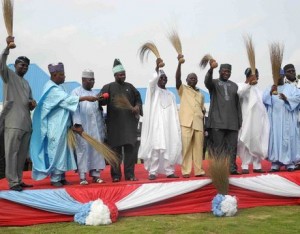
<point x="251" y="55"/>
<point x="175" y="41"/>
<point x="122" y="102"/>
<point x="218" y="170"/>
<point x="276" y="56"/>
<point x="145" y="50"/>
<point x="8" y="15"/>
<point x="205" y="60"/>
<point x="108" y="154"/>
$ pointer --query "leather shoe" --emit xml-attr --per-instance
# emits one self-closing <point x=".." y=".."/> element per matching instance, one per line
<point x="234" y="173"/>
<point x="115" y="180"/>
<point x="258" y="171"/>
<point x="201" y="175"/>
<point x="65" y="182"/>
<point x="57" y="184"/>
<point x="17" y="188"/>
<point x="152" y="177"/>
<point x="291" y="169"/>
<point x="23" y="185"/>
<point x="245" y="171"/>
<point x="186" y="176"/>
<point x="131" y="179"/>
<point x="172" y="176"/>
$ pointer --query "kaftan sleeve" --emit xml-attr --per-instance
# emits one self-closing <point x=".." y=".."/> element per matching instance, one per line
<point x="67" y="101"/>
<point x="267" y="97"/>
<point x="209" y="80"/>
<point x="153" y="84"/>
<point x="76" y="115"/>
<point x="138" y="100"/>
<point x="293" y="99"/>
<point x="243" y="89"/>
<point x="4" y="70"/>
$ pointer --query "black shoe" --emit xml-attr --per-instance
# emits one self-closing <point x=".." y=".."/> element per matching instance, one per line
<point x="65" y="182"/>
<point x="17" y="188"/>
<point x="115" y="180"/>
<point x="258" y="171"/>
<point x="234" y="173"/>
<point x="245" y="171"/>
<point x="186" y="176"/>
<point x="133" y="178"/>
<point x="57" y="184"/>
<point x="297" y="167"/>
<point x="273" y="170"/>
<point x="152" y="177"/>
<point x="23" y="185"/>
<point x="172" y="176"/>
<point x="291" y="169"/>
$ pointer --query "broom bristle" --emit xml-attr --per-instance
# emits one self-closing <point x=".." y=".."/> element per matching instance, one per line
<point x="120" y="101"/>
<point x="145" y="50"/>
<point x="250" y="52"/>
<point x="8" y="15"/>
<point x="204" y="61"/>
<point x="218" y="170"/>
<point x="71" y="139"/>
<point x="175" y="40"/>
<point x="276" y="56"/>
<point x="108" y="154"/>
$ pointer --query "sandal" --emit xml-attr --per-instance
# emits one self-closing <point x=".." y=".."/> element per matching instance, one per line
<point x="83" y="182"/>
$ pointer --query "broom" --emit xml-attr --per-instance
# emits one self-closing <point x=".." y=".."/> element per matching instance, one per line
<point x="108" y="154"/>
<point x="175" y="40"/>
<point x="145" y="50"/>
<point x="251" y="55"/>
<point x="120" y="101"/>
<point x="8" y="15"/>
<point x="205" y="60"/>
<point x="218" y="170"/>
<point x="276" y="56"/>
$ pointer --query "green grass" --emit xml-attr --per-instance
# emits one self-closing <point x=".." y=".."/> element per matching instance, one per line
<point x="260" y="220"/>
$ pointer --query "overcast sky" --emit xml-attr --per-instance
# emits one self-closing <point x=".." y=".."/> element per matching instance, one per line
<point x="92" y="33"/>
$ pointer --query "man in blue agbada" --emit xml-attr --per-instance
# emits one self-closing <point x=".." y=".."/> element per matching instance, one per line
<point x="283" y="112"/>
<point x="49" y="150"/>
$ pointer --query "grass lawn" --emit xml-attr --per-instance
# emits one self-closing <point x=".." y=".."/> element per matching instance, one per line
<point x="259" y="220"/>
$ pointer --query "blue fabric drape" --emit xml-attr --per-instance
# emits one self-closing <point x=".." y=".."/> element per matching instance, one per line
<point x="56" y="201"/>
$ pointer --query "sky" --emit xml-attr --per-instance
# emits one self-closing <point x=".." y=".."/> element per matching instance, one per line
<point x="90" y="34"/>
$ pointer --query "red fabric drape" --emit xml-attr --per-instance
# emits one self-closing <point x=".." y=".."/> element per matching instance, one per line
<point x="12" y="214"/>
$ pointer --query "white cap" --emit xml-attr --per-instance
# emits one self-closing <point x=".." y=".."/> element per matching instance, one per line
<point x="87" y="73"/>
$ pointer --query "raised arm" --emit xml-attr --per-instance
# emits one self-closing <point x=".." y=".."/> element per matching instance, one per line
<point x="178" y="75"/>
<point x="209" y="75"/>
<point x="4" y="70"/>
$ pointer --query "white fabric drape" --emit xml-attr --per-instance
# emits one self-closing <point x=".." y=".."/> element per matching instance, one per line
<point x="270" y="184"/>
<point x="155" y="192"/>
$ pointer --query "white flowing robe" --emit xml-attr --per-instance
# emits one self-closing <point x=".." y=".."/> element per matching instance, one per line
<point x="161" y="129"/>
<point x="284" y="133"/>
<point x="253" y="139"/>
<point x="91" y="119"/>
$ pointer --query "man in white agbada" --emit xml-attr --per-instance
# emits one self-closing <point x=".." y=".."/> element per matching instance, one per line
<point x="89" y="116"/>
<point x="253" y="137"/>
<point x="161" y="135"/>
